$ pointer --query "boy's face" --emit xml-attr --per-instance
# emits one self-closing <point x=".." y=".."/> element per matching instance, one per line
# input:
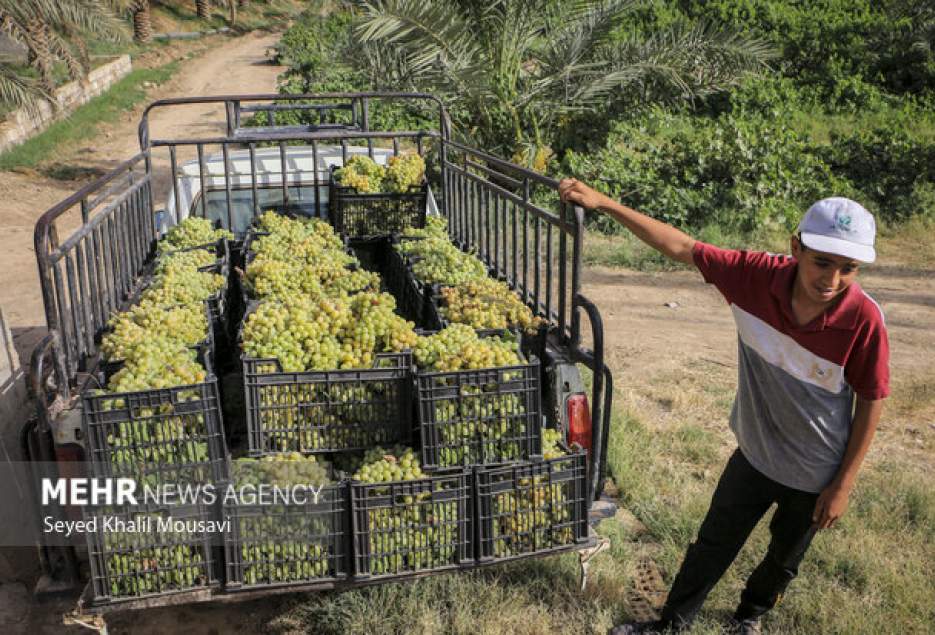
<point x="822" y="276"/>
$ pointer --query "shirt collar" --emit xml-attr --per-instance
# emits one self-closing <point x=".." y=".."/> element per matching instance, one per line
<point x="843" y="315"/>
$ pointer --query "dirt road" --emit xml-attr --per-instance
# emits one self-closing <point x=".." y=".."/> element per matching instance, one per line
<point x="227" y="66"/>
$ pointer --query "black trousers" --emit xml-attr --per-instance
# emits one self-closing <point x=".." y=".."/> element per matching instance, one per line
<point x="742" y="497"/>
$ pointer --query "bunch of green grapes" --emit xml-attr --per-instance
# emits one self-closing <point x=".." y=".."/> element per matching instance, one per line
<point x="362" y="173"/>
<point x="192" y="258"/>
<point x="293" y="557"/>
<point x="284" y="542"/>
<point x="414" y="532"/>
<point x="485" y="303"/>
<point x="376" y="327"/>
<point x="192" y="232"/>
<point x="159" y="362"/>
<point x="384" y="466"/>
<point x="296" y="420"/>
<point x="435" y="227"/>
<point x="442" y="262"/>
<point x="185" y="323"/>
<point x="283" y="470"/>
<point x="480" y="426"/>
<point x="300" y="333"/>
<point x="403" y="172"/>
<point x="135" y="568"/>
<point x="533" y="515"/>
<point x="458" y="347"/>
<point x="551" y="443"/>
<point x="182" y="285"/>
<point x="181" y="455"/>
<point x="295" y="239"/>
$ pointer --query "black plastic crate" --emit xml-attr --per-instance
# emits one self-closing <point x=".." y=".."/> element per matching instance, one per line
<point x="288" y="544"/>
<point x="327" y="411"/>
<point x="409" y="294"/>
<point x="490" y="415"/>
<point x="166" y="435"/>
<point x="410" y="526"/>
<point x="359" y="215"/>
<point x="533" y="507"/>
<point x="151" y="559"/>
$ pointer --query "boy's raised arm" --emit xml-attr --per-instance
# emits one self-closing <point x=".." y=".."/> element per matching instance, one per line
<point x="664" y="238"/>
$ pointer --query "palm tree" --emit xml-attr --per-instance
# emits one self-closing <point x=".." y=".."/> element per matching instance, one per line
<point x="201" y="8"/>
<point x="52" y="30"/>
<point x="142" y="22"/>
<point x="516" y="68"/>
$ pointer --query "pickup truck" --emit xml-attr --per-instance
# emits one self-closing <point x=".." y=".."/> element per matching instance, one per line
<point x="94" y="248"/>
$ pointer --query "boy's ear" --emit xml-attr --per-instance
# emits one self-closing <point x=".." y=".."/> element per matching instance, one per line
<point x="795" y="246"/>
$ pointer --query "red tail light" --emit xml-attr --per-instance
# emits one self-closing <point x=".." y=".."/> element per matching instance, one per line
<point x="579" y="420"/>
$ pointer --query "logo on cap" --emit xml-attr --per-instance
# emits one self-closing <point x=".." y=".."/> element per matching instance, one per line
<point x="842" y="221"/>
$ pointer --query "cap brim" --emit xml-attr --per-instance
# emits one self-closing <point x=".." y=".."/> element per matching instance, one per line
<point x="838" y="247"/>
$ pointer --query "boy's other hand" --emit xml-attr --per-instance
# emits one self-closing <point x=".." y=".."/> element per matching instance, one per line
<point x="574" y="191"/>
<point x="830" y="506"/>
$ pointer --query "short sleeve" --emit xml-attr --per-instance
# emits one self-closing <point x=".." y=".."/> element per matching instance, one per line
<point x="867" y="369"/>
<point x="726" y="269"/>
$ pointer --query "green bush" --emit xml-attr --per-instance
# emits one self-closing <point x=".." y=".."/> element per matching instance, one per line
<point x="839" y="47"/>
<point x="745" y="174"/>
<point x="894" y="169"/>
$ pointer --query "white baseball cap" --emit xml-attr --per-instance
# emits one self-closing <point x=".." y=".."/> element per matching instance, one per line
<point x="839" y="226"/>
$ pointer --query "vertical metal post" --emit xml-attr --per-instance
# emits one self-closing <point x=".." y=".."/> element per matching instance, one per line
<point x="253" y="189"/>
<point x="576" y="275"/>
<point x="285" y="175"/>
<point x="201" y="180"/>
<point x="526" y="240"/>
<point x="315" y="177"/>
<point x="225" y="156"/>
<point x="173" y="166"/>
<point x="563" y="265"/>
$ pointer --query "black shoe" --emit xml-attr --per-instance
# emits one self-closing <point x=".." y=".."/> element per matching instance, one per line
<point x="639" y="628"/>
<point x="745" y="627"/>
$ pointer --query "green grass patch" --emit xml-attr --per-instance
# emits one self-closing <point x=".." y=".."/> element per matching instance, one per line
<point x="82" y="124"/>
<point x="870" y="575"/>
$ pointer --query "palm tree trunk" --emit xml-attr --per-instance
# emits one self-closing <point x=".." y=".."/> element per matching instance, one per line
<point x="38" y="45"/>
<point x="233" y="11"/>
<point x="142" y="22"/>
<point x="201" y="8"/>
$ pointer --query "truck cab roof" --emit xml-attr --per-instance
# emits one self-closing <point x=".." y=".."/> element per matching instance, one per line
<point x="201" y="190"/>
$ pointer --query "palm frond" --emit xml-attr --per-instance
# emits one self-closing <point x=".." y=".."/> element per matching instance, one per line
<point x="432" y="33"/>
<point x="19" y="92"/>
<point x="684" y="61"/>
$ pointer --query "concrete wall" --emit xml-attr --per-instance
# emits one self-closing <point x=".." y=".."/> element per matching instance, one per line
<point x="20" y="125"/>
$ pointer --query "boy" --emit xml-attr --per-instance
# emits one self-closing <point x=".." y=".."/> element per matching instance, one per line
<point x="809" y="341"/>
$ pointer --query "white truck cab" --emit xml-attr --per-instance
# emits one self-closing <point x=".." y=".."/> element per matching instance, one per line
<point x="303" y="171"/>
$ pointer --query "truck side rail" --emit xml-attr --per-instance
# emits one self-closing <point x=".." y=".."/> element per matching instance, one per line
<point x="494" y="209"/>
<point x="91" y="274"/>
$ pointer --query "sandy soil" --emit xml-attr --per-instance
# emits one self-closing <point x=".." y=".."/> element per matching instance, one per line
<point x="662" y="330"/>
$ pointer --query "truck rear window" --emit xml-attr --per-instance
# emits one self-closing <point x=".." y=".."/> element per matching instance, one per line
<point x="301" y="201"/>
